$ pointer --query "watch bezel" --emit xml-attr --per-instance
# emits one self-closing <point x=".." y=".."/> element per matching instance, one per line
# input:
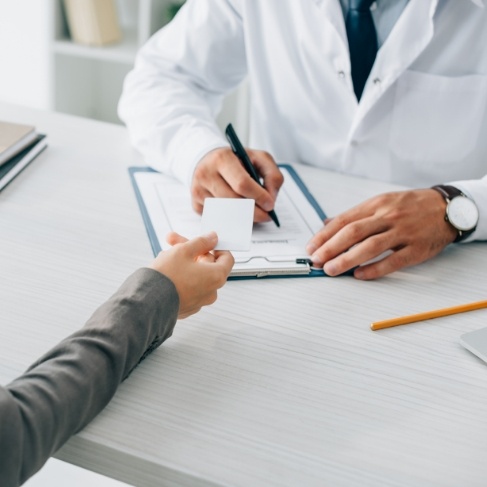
<point x="450" y="193"/>
<point x="467" y="205"/>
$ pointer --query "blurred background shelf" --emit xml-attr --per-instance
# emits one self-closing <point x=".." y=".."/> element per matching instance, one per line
<point x="47" y="70"/>
<point x="123" y="52"/>
<point x="87" y="80"/>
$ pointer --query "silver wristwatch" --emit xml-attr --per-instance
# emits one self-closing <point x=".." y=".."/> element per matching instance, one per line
<point x="461" y="211"/>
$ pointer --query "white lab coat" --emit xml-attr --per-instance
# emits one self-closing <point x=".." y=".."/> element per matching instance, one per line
<point x="422" y="119"/>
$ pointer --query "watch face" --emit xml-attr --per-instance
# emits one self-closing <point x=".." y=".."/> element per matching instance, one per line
<point x="463" y="213"/>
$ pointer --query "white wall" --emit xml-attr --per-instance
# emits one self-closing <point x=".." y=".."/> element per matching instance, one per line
<point x="24" y="52"/>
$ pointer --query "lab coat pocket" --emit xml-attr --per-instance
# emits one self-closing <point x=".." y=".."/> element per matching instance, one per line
<point x="437" y="118"/>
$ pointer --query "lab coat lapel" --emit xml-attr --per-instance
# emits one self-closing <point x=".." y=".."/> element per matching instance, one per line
<point x="334" y="15"/>
<point x="407" y="40"/>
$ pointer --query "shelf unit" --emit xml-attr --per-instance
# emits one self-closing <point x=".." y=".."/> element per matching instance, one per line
<point x="87" y="81"/>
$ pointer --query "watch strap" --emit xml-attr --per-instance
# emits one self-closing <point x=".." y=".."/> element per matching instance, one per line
<point x="448" y="192"/>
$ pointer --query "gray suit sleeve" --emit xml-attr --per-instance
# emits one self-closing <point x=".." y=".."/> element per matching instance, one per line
<point x="66" y="388"/>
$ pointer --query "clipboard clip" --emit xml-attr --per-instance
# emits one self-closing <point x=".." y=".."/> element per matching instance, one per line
<point x="271" y="260"/>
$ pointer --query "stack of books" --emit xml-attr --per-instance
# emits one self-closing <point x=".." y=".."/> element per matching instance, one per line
<point x="93" y="22"/>
<point x="19" y="145"/>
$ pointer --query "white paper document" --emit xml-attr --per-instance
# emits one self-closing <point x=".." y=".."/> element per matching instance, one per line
<point x="273" y="250"/>
<point x="231" y="219"/>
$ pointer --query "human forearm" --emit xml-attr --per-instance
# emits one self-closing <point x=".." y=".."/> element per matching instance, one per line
<point x="73" y="382"/>
<point x="172" y="96"/>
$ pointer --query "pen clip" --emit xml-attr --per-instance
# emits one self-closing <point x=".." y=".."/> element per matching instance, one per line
<point x="290" y="260"/>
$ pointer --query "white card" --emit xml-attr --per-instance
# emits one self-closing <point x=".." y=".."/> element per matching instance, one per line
<point x="476" y="342"/>
<point x="231" y="219"/>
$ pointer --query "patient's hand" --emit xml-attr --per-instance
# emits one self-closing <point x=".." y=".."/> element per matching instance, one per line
<point x="195" y="269"/>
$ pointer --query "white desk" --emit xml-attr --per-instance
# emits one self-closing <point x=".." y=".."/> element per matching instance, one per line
<point x="281" y="382"/>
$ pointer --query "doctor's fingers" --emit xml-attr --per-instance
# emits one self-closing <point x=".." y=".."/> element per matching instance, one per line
<point x="394" y="261"/>
<point x="267" y="168"/>
<point x="337" y="237"/>
<point x="334" y="224"/>
<point x="198" y="196"/>
<point x="243" y="185"/>
<point x="222" y="188"/>
<point x="383" y="253"/>
<point x="374" y="248"/>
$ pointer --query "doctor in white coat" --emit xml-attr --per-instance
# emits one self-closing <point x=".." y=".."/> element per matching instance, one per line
<point x="420" y="120"/>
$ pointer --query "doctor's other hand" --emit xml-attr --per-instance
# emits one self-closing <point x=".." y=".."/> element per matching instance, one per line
<point x="195" y="270"/>
<point x="220" y="174"/>
<point x="408" y="227"/>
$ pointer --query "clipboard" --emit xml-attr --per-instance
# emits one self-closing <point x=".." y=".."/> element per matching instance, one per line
<point x="165" y="205"/>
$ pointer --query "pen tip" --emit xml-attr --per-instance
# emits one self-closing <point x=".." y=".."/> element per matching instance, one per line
<point x="273" y="215"/>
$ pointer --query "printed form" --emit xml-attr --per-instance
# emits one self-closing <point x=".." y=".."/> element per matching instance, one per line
<point x="273" y="250"/>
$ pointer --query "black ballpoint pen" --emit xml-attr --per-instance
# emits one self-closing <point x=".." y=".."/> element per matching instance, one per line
<point x="239" y="151"/>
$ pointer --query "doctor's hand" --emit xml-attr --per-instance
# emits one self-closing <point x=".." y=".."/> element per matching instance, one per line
<point x="196" y="270"/>
<point x="409" y="224"/>
<point x="220" y="174"/>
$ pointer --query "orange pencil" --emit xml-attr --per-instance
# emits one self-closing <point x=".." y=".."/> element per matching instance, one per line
<point x="428" y="315"/>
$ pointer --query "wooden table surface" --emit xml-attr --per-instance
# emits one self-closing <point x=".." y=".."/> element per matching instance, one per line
<point x="279" y="383"/>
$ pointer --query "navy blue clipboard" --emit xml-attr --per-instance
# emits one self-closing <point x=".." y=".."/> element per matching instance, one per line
<point x="156" y="246"/>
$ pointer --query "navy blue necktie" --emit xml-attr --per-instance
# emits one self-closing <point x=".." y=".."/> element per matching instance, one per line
<point x="362" y="42"/>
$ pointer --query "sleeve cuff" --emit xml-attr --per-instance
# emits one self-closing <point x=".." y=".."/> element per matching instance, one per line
<point x="190" y="150"/>
<point x="477" y="190"/>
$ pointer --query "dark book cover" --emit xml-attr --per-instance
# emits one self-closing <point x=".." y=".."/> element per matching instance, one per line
<point x="17" y="163"/>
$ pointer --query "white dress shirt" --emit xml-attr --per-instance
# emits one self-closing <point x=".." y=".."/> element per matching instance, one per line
<point x="422" y="118"/>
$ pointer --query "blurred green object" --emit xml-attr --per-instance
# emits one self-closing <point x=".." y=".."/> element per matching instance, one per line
<point x="172" y="9"/>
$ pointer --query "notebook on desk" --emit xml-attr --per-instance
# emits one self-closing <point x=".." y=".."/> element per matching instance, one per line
<point x="15" y="164"/>
<point x="14" y="137"/>
<point x="165" y="204"/>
